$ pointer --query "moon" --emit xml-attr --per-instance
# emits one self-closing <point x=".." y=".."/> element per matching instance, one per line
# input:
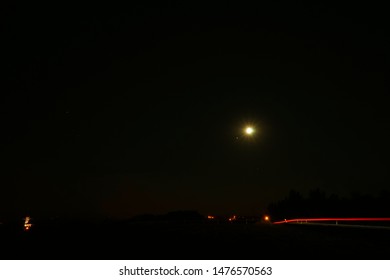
<point x="249" y="130"/>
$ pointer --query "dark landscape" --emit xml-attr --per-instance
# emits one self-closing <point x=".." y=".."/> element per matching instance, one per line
<point x="115" y="120"/>
<point x="200" y="239"/>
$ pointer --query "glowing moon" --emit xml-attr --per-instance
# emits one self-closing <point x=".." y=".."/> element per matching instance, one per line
<point x="249" y="130"/>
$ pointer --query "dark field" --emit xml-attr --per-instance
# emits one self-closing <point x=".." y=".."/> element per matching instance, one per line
<point x="193" y="240"/>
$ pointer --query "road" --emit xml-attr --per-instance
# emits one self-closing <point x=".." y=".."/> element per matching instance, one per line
<point x="197" y="241"/>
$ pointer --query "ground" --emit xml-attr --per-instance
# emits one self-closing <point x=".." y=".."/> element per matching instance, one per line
<point x="194" y="240"/>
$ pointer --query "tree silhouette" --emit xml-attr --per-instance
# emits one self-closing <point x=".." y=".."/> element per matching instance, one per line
<point x="319" y="204"/>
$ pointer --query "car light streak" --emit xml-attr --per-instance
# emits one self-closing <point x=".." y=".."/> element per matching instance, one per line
<point x="304" y="220"/>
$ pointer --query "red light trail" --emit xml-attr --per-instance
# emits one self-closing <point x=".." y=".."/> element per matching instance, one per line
<point x="331" y="219"/>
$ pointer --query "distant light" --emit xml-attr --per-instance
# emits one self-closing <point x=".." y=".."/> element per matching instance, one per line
<point x="27" y="224"/>
<point x="233" y="218"/>
<point x="266" y="218"/>
<point x="210" y="217"/>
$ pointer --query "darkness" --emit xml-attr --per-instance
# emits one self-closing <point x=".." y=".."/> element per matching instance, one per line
<point x="118" y="111"/>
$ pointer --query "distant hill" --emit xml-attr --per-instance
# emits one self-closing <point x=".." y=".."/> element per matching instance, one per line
<point x="180" y="215"/>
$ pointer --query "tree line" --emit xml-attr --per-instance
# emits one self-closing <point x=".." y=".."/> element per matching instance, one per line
<point x="320" y="204"/>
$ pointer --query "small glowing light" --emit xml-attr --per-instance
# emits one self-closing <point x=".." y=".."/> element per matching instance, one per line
<point x="266" y="218"/>
<point x="210" y="217"/>
<point x="233" y="218"/>
<point x="27" y="224"/>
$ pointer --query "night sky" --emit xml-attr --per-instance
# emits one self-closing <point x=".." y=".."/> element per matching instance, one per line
<point x="117" y="111"/>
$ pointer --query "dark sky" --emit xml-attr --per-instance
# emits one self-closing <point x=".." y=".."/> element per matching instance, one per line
<point x="116" y="111"/>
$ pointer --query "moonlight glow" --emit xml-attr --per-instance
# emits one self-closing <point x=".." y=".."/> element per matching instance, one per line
<point x="249" y="130"/>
